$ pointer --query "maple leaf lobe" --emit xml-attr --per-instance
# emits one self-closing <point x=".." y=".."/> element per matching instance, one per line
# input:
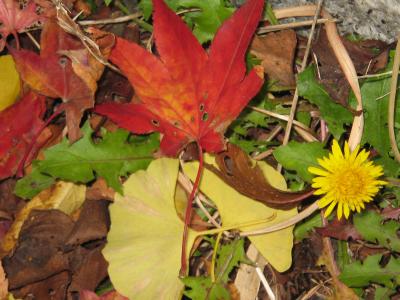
<point x="187" y="94"/>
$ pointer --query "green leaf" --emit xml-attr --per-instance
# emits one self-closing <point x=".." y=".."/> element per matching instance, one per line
<point x="299" y="156"/>
<point x="370" y="225"/>
<point x="334" y="114"/>
<point x="375" y="119"/>
<point x="360" y="274"/>
<point x="302" y="229"/>
<point x="228" y="257"/>
<point x="115" y="155"/>
<point x="33" y="183"/>
<point x="203" y="288"/>
<point x="206" y="22"/>
<point x="383" y="293"/>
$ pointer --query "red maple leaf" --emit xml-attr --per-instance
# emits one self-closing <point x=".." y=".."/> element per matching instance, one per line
<point x="187" y="94"/>
<point x="54" y="75"/>
<point x="20" y="125"/>
<point x="14" y="20"/>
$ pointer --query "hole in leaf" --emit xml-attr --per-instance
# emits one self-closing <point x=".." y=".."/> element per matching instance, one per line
<point x="177" y="124"/>
<point x="204" y="117"/>
<point x="201" y="107"/>
<point x="155" y="123"/>
<point x="63" y="61"/>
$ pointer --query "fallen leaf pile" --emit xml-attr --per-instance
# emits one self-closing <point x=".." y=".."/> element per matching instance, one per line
<point x="166" y="149"/>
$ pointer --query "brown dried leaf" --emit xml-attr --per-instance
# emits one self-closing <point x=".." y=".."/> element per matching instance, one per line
<point x="277" y="51"/>
<point x="339" y="229"/>
<point x="237" y="170"/>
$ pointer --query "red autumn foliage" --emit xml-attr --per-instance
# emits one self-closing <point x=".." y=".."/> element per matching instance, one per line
<point x="187" y="94"/>
<point x="19" y="126"/>
<point x="14" y="20"/>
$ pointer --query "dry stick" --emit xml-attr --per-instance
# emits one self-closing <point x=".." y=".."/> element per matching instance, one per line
<point x="392" y="101"/>
<point x="188" y="186"/>
<point x="343" y="58"/>
<point x="278" y="27"/>
<point x="265" y="283"/>
<point x="296" y="93"/>
<point x="110" y="20"/>
<point x="375" y="75"/>
<point x="34" y="41"/>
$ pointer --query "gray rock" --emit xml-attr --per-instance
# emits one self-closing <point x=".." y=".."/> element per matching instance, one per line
<point x="373" y="19"/>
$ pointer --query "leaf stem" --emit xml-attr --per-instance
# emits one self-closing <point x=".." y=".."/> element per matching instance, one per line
<point x="188" y="213"/>
<point x="214" y="256"/>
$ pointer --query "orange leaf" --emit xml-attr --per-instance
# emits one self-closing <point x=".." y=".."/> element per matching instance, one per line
<point x="187" y="94"/>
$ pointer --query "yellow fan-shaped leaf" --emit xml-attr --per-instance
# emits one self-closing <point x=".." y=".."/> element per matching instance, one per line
<point x="237" y="209"/>
<point x="144" y="242"/>
<point x="9" y="82"/>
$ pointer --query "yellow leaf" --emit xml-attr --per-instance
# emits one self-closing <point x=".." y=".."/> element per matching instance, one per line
<point x="9" y="82"/>
<point x="144" y="242"/>
<point x="276" y="247"/>
<point x="64" y="196"/>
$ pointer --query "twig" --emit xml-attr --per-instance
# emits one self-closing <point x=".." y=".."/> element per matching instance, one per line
<point x="280" y="117"/>
<point x="265" y="284"/>
<point x="392" y="101"/>
<point x="287" y="223"/>
<point x="110" y="20"/>
<point x="303" y="66"/>
<point x="34" y="41"/>
<point x="278" y="27"/>
<point x="375" y="75"/>
<point x="187" y="185"/>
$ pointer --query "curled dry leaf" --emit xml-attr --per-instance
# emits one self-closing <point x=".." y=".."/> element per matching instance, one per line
<point x="244" y="175"/>
<point x="24" y="121"/>
<point x="236" y="209"/>
<point x="277" y="53"/>
<point x="54" y="75"/>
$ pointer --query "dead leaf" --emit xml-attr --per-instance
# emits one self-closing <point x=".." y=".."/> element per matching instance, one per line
<point x="277" y="52"/>
<point x="3" y="284"/>
<point x="64" y="196"/>
<point x="52" y="74"/>
<point x="340" y="230"/>
<point x="245" y="176"/>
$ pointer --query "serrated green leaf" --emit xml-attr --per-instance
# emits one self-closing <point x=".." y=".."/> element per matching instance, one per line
<point x="110" y="158"/>
<point x="383" y="293"/>
<point x="360" y="274"/>
<point x="370" y="225"/>
<point x="229" y="256"/>
<point x="203" y="288"/>
<point x="299" y="156"/>
<point x="33" y="183"/>
<point x="205" y="22"/>
<point x="334" y="114"/>
<point x="375" y="119"/>
<point x="302" y="229"/>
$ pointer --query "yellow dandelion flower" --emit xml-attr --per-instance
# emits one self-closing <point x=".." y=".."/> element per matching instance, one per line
<point x="347" y="180"/>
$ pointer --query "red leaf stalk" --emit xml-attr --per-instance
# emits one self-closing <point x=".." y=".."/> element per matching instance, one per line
<point x="188" y="212"/>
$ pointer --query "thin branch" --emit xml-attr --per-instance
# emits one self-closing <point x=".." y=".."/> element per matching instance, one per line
<point x="265" y="284"/>
<point x="392" y="101"/>
<point x="278" y="27"/>
<point x="34" y="41"/>
<point x="303" y="66"/>
<point x="111" y="20"/>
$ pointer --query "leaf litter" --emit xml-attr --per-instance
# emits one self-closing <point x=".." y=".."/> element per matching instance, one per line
<point x="69" y="241"/>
